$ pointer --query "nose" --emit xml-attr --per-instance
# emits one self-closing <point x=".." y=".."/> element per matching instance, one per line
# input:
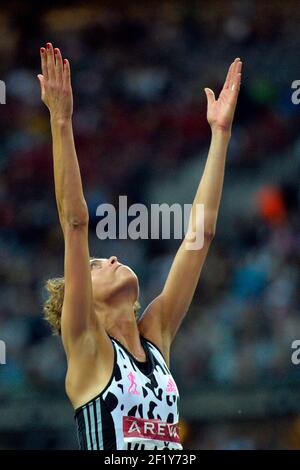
<point x="112" y="260"/>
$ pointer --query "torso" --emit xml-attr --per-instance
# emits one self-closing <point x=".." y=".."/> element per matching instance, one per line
<point x="135" y="408"/>
<point x="90" y="369"/>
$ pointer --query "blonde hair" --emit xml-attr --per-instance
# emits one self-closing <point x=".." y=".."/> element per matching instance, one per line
<point x="54" y="303"/>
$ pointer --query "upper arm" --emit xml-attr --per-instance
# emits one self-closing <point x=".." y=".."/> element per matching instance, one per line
<point x="164" y="315"/>
<point x="77" y="313"/>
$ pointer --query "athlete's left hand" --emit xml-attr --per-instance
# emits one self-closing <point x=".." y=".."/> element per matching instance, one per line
<point x="220" y="112"/>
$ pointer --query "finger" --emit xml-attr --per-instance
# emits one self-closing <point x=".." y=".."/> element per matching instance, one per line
<point x="41" y="80"/>
<point x="235" y="88"/>
<point x="228" y="76"/>
<point x="234" y="71"/>
<point x="44" y="62"/>
<point x="66" y="74"/>
<point x="236" y="80"/>
<point x="210" y="96"/>
<point x="50" y="62"/>
<point x="58" y="66"/>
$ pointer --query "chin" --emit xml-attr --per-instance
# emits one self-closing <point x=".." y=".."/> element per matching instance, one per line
<point x="128" y="275"/>
<point x="126" y="270"/>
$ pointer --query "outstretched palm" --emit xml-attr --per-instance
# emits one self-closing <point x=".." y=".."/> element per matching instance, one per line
<point x="56" y="89"/>
<point x="220" y="112"/>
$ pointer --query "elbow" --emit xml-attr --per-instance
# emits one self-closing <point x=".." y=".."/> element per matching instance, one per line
<point x="76" y="221"/>
<point x="209" y="227"/>
<point x="209" y="233"/>
<point x="209" y="236"/>
<point x="78" y="217"/>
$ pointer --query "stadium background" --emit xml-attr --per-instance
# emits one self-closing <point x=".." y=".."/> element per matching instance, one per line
<point x="139" y="69"/>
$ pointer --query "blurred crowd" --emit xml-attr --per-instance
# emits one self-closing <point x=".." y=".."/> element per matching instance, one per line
<point x="138" y="73"/>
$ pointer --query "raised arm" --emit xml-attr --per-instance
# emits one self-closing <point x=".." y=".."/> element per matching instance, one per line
<point x="167" y="311"/>
<point x="56" y="92"/>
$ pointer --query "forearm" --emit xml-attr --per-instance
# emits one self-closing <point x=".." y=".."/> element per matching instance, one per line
<point x="211" y="184"/>
<point x="68" y="186"/>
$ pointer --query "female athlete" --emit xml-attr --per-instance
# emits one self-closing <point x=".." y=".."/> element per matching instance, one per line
<point x="118" y="378"/>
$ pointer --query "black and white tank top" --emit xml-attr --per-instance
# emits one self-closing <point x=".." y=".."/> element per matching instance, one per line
<point x="138" y="409"/>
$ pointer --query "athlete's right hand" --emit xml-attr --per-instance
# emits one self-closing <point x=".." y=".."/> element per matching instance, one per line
<point x="55" y="83"/>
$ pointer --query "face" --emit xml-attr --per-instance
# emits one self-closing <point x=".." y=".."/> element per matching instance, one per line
<point x="111" y="278"/>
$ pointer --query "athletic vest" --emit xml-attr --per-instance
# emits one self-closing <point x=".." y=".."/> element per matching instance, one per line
<point x="137" y="410"/>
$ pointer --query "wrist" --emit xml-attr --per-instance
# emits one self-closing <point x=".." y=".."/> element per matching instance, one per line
<point x="60" y="120"/>
<point x="221" y="132"/>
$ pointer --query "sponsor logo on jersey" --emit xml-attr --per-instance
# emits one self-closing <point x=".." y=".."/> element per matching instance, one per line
<point x="171" y="386"/>
<point x="133" y="385"/>
<point x="150" y="429"/>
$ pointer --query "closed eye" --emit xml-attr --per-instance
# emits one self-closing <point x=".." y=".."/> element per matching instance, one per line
<point x="96" y="264"/>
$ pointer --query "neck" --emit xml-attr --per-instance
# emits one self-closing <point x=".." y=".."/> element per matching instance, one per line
<point x="120" y="323"/>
